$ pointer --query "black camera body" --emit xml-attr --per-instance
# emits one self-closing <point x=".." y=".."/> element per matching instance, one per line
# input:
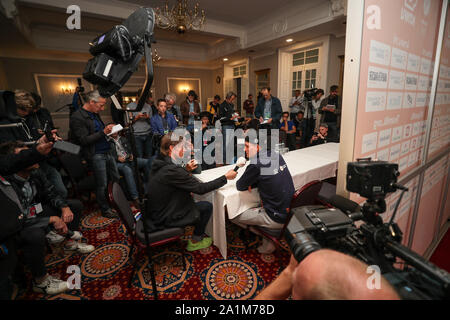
<point x="372" y="179"/>
<point x="373" y="242"/>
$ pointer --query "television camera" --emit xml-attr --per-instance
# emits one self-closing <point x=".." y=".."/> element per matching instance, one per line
<point x="374" y="241"/>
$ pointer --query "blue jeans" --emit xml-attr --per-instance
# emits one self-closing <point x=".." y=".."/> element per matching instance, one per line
<point x="144" y="145"/>
<point x="103" y="164"/>
<point x="126" y="169"/>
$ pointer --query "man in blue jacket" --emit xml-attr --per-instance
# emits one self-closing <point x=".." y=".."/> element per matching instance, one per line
<point x="268" y="110"/>
<point x="163" y="122"/>
<point x="275" y="190"/>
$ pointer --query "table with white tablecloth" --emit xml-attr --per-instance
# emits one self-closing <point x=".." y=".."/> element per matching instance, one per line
<point x="314" y="163"/>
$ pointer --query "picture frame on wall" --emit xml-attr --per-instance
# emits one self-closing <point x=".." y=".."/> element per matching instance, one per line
<point x="57" y="90"/>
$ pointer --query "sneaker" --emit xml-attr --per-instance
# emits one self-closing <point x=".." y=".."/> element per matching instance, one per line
<point x="53" y="237"/>
<point x="110" y="214"/>
<point x="76" y="236"/>
<point x="50" y="285"/>
<point x="78" y="246"/>
<point x="266" y="247"/>
<point x="204" y="243"/>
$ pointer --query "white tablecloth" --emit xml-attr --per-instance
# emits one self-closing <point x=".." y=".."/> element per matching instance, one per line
<point x="305" y="165"/>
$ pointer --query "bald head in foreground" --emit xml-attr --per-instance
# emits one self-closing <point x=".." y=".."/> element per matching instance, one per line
<point x="326" y="275"/>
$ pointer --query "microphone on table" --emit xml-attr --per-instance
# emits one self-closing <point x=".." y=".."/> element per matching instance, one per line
<point x="240" y="163"/>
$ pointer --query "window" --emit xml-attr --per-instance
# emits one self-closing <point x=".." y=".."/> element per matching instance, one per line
<point x="305" y="70"/>
<point x="296" y="81"/>
<point x="262" y="79"/>
<point x="239" y="71"/>
<point x="305" y="57"/>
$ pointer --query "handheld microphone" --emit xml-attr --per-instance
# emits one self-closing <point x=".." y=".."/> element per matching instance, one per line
<point x="240" y="163"/>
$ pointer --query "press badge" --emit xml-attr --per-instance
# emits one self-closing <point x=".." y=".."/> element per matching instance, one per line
<point x="35" y="209"/>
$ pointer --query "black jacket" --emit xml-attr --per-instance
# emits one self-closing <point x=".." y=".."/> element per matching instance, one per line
<point x="331" y="117"/>
<point x="226" y="110"/>
<point x="36" y="120"/>
<point x="82" y="131"/>
<point x="276" y="111"/>
<point x="169" y="200"/>
<point x="275" y="189"/>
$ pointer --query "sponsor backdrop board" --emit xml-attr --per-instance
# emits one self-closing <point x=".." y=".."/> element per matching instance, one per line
<point x="398" y="50"/>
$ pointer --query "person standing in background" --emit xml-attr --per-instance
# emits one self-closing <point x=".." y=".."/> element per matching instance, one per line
<point x="213" y="109"/>
<point x="249" y="107"/>
<point x="316" y="101"/>
<point x="295" y="104"/>
<point x="171" y="100"/>
<point x="190" y="108"/>
<point x="269" y="110"/>
<point x="330" y="109"/>
<point x="90" y="133"/>
<point x="142" y="128"/>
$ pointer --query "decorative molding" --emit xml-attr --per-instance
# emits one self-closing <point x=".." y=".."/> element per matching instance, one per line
<point x="279" y="27"/>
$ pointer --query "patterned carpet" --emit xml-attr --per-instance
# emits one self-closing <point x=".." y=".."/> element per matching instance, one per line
<point x="105" y="271"/>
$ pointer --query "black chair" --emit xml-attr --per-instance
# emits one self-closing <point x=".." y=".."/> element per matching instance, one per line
<point x="135" y="231"/>
<point x="80" y="179"/>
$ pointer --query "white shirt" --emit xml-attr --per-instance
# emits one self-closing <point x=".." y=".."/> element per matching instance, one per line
<point x="316" y="105"/>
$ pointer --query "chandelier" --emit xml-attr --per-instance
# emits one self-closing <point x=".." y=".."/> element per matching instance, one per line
<point x="179" y="17"/>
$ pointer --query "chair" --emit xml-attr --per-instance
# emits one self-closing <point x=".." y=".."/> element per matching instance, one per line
<point x="307" y="195"/>
<point x="135" y="231"/>
<point x="78" y="175"/>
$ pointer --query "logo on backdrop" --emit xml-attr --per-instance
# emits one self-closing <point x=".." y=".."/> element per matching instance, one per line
<point x="74" y="20"/>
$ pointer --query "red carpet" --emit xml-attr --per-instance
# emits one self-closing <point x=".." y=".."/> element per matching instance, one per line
<point x="105" y="271"/>
<point x="441" y="256"/>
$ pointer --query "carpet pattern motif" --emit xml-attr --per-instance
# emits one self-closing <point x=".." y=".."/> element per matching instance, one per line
<point x="105" y="272"/>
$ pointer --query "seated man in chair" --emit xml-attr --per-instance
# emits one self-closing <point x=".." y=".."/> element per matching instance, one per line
<point x="170" y="202"/>
<point x="275" y="190"/>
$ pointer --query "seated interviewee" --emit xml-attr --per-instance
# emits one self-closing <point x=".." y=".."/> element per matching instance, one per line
<point x="170" y="203"/>
<point x="275" y="190"/>
<point x="326" y="275"/>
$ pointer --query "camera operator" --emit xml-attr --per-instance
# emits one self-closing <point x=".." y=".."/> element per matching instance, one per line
<point x="326" y="275"/>
<point x="90" y="133"/>
<point x="170" y="203"/>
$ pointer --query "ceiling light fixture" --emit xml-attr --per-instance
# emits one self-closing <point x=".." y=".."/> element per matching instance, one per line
<point x="225" y="59"/>
<point x="289" y="40"/>
<point x="179" y="17"/>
